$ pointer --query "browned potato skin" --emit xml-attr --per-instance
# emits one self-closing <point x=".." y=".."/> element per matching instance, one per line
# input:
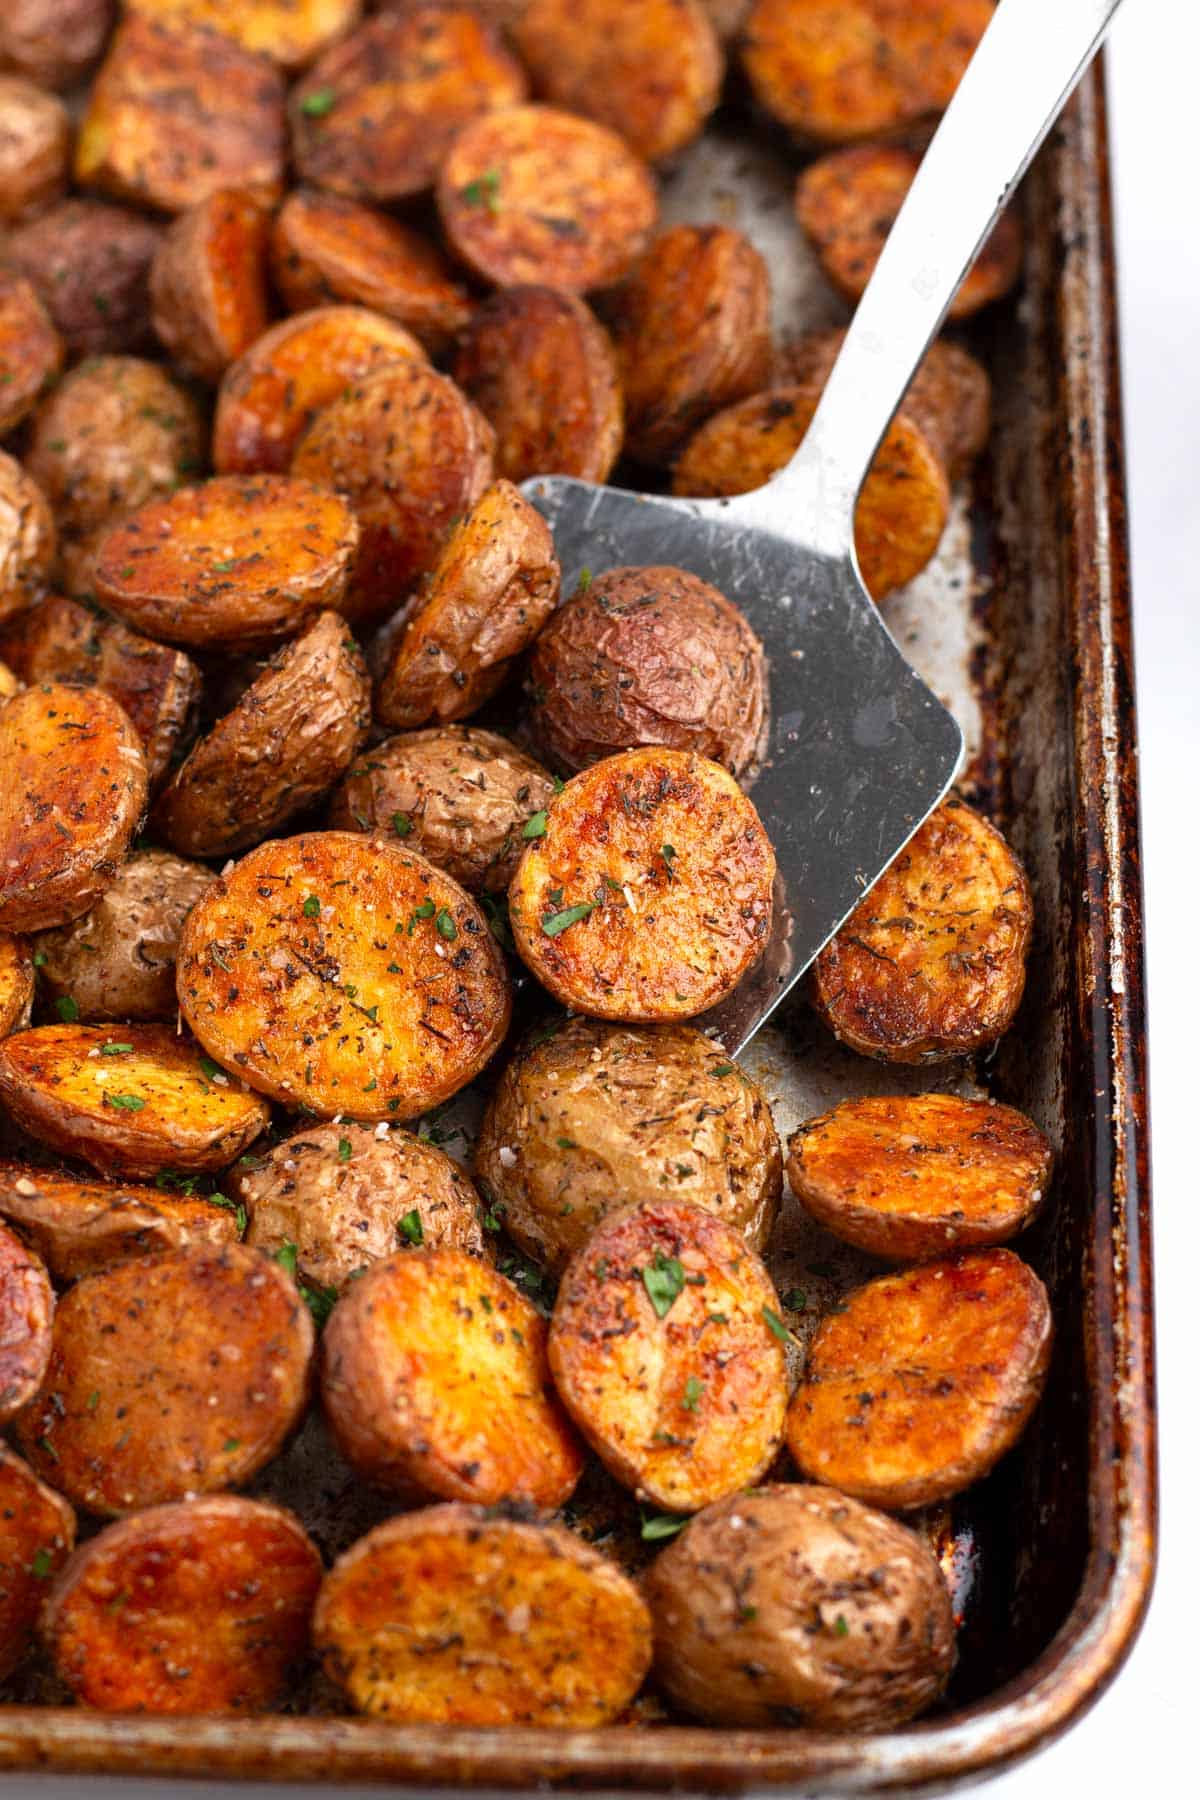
<point x="702" y="917"/>
<point x="325" y="247"/>
<point x="208" y="283"/>
<point x="73" y="795"/>
<point x="199" y="1607"/>
<point x="201" y="1362"/>
<point x="177" y="112"/>
<point x="16" y="983"/>
<point x="289" y="32"/>
<point x="922" y="1380"/>
<point x="90" y="264"/>
<point x="295" y="730"/>
<point x="460" y="1615"/>
<point x="932" y="963"/>
<point x="53" y="42"/>
<point x="79" y="1225"/>
<point x="271" y="395"/>
<point x="35" y="149"/>
<point x="649" y="69"/>
<point x="795" y="1605"/>
<point x="28" y="540"/>
<point x="510" y="181"/>
<point x="26" y="1317"/>
<point x="31" y="351"/>
<point x="648" y="656"/>
<point x="913" y="1176"/>
<point x="493" y="588"/>
<point x="37" y="1534"/>
<point x="265" y="985"/>
<point x="460" y="796"/>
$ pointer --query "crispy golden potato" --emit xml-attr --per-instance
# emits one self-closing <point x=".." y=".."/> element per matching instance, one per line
<point x="537" y="195"/>
<point x="31" y="351"/>
<point x="28" y="540"/>
<point x="847" y="203"/>
<point x="90" y="264"/>
<point x="666" y="1346"/>
<point x="648" y="656"/>
<point x="796" y="1606"/>
<point x="26" y="1318"/>
<point x="922" y="1380"/>
<point x="910" y="1176"/>
<point x="649" y="69"/>
<point x="118" y="960"/>
<point x="200" y="1607"/>
<point x="208" y="283"/>
<point x="932" y="963"/>
<point x="292" y="734"/>
<point x="491" y="591"/>
<point x="290" y="32"/>
<point x="73" y="795"/>
<point x="16" y="983"/>
<point x="904" y="503"/>
<point x="79" y="1225"/>
<point x="375" y="117"/>
<point x="325" y="247"/>
<point x="178" y="112"/>
<point x="649" y="894"/>
<point x="53" y="42"/>
<point x="347" y="975"/>
<point x="587" y="1118"/>
<point x="37" y="1534"/>
<point x="542" y="371"/>
<point x="857" y="68"/>
<point x="434" y="1381"/>
<point x="174" y="1375"/>
<point x="35" y="148"/>
<point x="460" y="1615"/>
<point x="239" y="561"/>
<point x="411" y="455"/>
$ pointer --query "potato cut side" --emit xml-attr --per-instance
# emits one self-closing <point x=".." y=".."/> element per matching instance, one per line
<point x="345" y="975"/>
<point x="35" y="155"/>
<point x="28" y="538"/>
<point x="90" y="263"/>
<point x="290" y="32"/>
<point x="26" y="1318"/>
<point x="31" y="351"/>
<point x="208" y="283"/>
<point x="37" y="1534"/>
<point x="79" y="1226"/>
<point x="457" y="1616"/>
<point x="16" y="983"/>
<point x="200" y="1607"/>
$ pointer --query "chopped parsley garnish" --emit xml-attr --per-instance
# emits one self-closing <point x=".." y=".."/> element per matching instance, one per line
<point x="483" y="191"/>
<point x="426" y="910"/>
<point x="344" y="1150"/>
<point x="663" y="1280"/>
<point x="657" y="1526"/>
<point x="535" y="825"/>
<point x="840" y="1626"/>
<point x="67" y="1009"/>
<point x="667" y="853"/>
<point x="312" y="907"/>
<point x="401" y="824"/>
<point x="445" y="926"/>
<point x="318" y="103"/>
<point x="125" y="1102"/>
<point x="411" y="1228"/>
<point x="691" y="1394"/>
<point x="115" y="1049"/>
<point x="285" y="1256"/>
<point x="775" y="1325"/>
<point x="42" y="1564"/>
<point x="556" y="922"/>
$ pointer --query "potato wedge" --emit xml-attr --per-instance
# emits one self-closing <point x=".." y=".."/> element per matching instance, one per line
<point x="922" y="1380"/>
<point x="648" y="656"/>
<point x="346" y="975"/>
<point x="177" y="112"/>
<point x="37" y="1534"/>
<point x="460" y="796"/>
<point x="932" y="963"/>
<point x="26" y="1320"/>
<point x="174" y="1375"/>
<point x="239" y="561"/>
<point x="90" y="264"/>
<point x="208" y="283"/>
<point x="79" y="1226"/>
<point x="35" y="149"/>
<point x="649" y="894"/>
<point x="28" y="540"/>
<point x="459" y="1615"/>
<point x="289" y="32"/>
<point x="73" y="796"/>
<point x="150" y="1104"/>
<point x="534" y="194"/>
<point x="666" y="1347"/>
<point x="31" y="351"/>
<point x="295" y="730"/>
<point x="198" y="1607"/>
<point x="910" y="1176"/>
<point x="16" y="983"/>
<point x="796" y="1606"/>
<point x="411" y="455"/>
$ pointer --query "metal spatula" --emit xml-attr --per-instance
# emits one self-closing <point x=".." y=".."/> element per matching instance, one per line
<point x="860" y="750"/>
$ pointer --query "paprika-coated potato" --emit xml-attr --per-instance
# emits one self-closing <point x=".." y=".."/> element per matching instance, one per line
<point x="290" y="32"/>
<point x="16" y="982"/>
<point x="31" y="351"/>
<point x="37" y="1534"/>
<point x="79" y="1225"/>
<point x="90" y="264"/>
<point x="208" y="283"/>
<point x="28" y="540"/>
<point x="26" y="1320"/>
<point x="35" y="149"/>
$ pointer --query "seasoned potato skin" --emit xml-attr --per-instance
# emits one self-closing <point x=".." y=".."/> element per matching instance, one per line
<point x="701" y="916"/>
<point x="53" y="42"/>
<point x="201" y="1362"/>
<point x="90" y="264"/>
<point x="37" y="1534"/>
<point x="932" y="963"/>
<point x="460" y="796"/>
<point x="199" y="1607"/>
<point x="79" y="1225"/>
<point x="289" y="32"/>
<point x="16" y="983"/>
<point x="35" y="149"/>
<point x="648" y="656"/>
<point x="31" y="351"/>
<point x="457" y="1615"/>
<point x="73" y="796"/>
<point x="26" y="1318"/>
<point x="912" y="1176"/>
<point x="922" y="1380"/>
<point x="265" y="985"/>
<point x="208" y="283"/>
<point x="28" y="540"/>
<point x="795" y="1605"/>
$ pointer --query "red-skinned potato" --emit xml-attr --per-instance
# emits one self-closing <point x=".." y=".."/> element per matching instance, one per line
<point x="26" y="1320"/>
<point x="90" y="264"/>
<point x="28" y="539"/>
<point x="79" y="1224"/>
<point x="16" y="982"/>
<point x="31" y="351"/>
<point x="37" y="1534"/>
<point x="208" y="283"/>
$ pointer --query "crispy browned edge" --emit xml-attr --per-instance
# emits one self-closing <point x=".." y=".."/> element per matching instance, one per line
<point x="1074" y="312"/>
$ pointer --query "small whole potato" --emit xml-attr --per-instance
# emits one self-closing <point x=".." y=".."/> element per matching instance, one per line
<point x="35" y="148"/>
<point x="90" y="263"/>
<point x="53" y="42"/>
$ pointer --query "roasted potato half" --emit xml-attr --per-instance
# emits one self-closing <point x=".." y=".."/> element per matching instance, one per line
<point x="35" y="149"/>
<point x="16" y="983"/>
<point x="31" y="351"/>
<point x="797" y="1606"/>
<point x="208" y="283"/>
<point x="79" y="1226"/>
<point x="913" y="1176"/>
<point x="28" y="539"/>
<point x="198" y="1607"/>
<point x="37" y="1534"/>
<point x="53" y="42"/>
<point x="648" y="896"/>
<point x="26" y="1319"/>
<point x="347" y="975"/>
<point x="90" y="264"/>
<point x="932" y="963"/>
<point x="464" y="798"/>
<point x="289" y="32"/>
<point x="922" y="1380"/>
<point x="648" y="656"/>
<point x="170" y="1376"/>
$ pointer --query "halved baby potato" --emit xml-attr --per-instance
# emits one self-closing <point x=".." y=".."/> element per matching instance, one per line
<point x="35" y="149"/>
<point x="79" y="1225"/>
<point x="26" y="1319"/>
<point x="208" y="283"/>
<point x="28" y="538"/>
<point x="289" y="32"/>
<point x="16" y="983"/>
<point x="37" y="1534"/>
<point x="31" y="351"/>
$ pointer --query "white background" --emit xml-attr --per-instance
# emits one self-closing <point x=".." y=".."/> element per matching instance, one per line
<point x="1139" y="1739"/>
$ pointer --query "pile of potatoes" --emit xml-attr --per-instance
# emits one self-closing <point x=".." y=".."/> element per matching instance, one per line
<point x="293" y="296"/>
